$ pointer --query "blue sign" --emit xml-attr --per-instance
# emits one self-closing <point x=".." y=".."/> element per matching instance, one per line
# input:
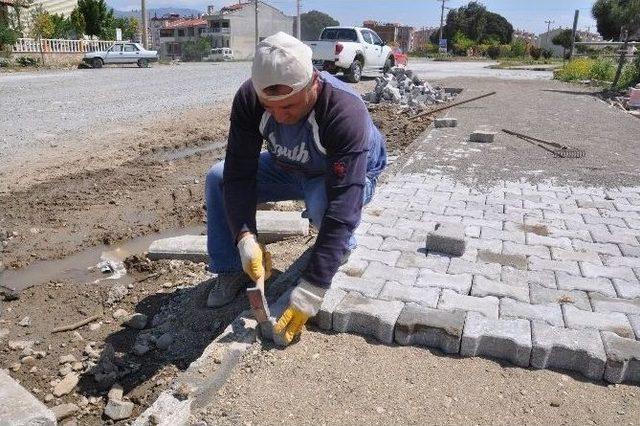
<point x="443" y="44"/>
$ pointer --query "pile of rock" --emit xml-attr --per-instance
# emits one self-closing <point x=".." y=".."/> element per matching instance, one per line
<point x="401" y="86"/>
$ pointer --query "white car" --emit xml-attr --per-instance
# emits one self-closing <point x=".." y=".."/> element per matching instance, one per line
<point x="122" y="53"/>
<point x="220" y="54"/>
<point x="355" y="51"/>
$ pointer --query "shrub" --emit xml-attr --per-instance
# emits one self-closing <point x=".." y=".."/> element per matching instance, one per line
<point x="630" y="76"/>
<point x="578" y="69"/>
<point x="481" y="49"/>
<point x="547" y="53"/>
<point x="27" y="61"/>
<point x="7" y="36"/>
<point x="535" y="52"/>
<point x="462" y="43"/>
<point x="518" y="48"/>
<point x="505" y="51"/>
<point x="493" y="52"/>
<point x="602" y="70"/>
<point x="4" y="62"/>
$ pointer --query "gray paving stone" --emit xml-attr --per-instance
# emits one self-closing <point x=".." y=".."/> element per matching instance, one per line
<point x="484" y="287"/>
<point x="387" y="257"/>
<point x="621" y="272"/>
<point x="630" y="251"/>
<point x="379" y="271"/>
<point x="525" y="250"/>
<point x="354" y="267"/>
<point x="572" y="282"/>
<point x="537" y="264"/>
<point x="371" y="317"/>
<point x="580" y="319"/>
<point x="514" y="260"/>
<point x="384" y="231"/>
<point x="460" y="283"/>
<point x="551" y="314"/>
<point x="368" y="286"/>
<point x="517" y="277"/>
<point x="617" y="238"/>
<point x="482" y="136"/>
<point x="623" y="359"/>
<point x="609" y="304"/>
<point x="275" y="225"/>
<point x="19" y="407"/>
<point x="332" y="298"/>
<point x="447" y="238"/>
<point x="372" y="242"/>
<point x="543" y="295"/>
<point x="484" y="223"/>
<point x="392" y="243"/>
<point x="445" y="122"/>
<point x="631" y="262"/>
<point x="580" y="255"/>
<point x="610" y="249"/>
<point x="492" y="245"/>
<point x="496" y="338"/>
<point x="452" y="301"/>
<point x="573" y="350"/>
<point x="422" y="326"/>
<point x="550" y="241"/>
<point x="184" y="247"/>
<point x="384" y="220"/>
<point x="627" y="289"/>
<point x="493" y="234"/>
<point x="635" y="324"/>
<point x="436" y="262"/>
<point x="427" y="296"/>
<point x="461" y="266"/>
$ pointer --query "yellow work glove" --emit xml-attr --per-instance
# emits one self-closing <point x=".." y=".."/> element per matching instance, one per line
<point x="256" y="260"/>
<point x="304" y="303"/>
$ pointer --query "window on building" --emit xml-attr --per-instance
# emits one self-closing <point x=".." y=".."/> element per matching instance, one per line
<point x="166" y="33"/>
<point x="215" y="24"/>
<point x="181" y="33"/>
<point x="190" y="31"/>
<point x="226" y="43"/>
<point x="225" y="24"/>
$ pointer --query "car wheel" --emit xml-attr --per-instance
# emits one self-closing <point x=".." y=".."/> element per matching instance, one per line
<point x="354" y="74"/>
<point x="388" y="64"/>
<point x="96" y="63"/>
<point x="143" y="63"/>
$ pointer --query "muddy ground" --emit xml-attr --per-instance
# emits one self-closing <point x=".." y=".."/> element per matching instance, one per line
<point x="151" y="183"/>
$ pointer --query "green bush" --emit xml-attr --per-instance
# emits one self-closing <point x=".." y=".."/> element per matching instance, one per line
<point x="578" y="69"/>
<point x="535" y="52"/>
<point x="547" y="53"/>
<point x="7" y="36"/>
<point x="602" y="70"/>
<point x="462" y="44"/>
<point x="493" y="52"/>
<point x="27" y="61"/>
<point x="518" y="48"/>
<point x="505" y="51"/>
<point x="4" y="62"/>
<point x="630" y="76"/>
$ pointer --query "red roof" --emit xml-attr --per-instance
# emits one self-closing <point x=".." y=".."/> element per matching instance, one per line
<point x="234" y="7"/>
<point x="184" y="23"/>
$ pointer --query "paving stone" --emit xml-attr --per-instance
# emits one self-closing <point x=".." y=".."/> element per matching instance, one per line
<point x="368" y="286"/>
<point x="631" y="262"/>
<point x="379" y="271"/>
<point x="362" y="315"/>
<point x="617" y="238"/>
<point x="460" y="283"/>
<point x="480" y="244"/>
<point x="185" y="247"/>
<point x="384" y="220"/>
<point x="630" y="251"/>
<point x="551" y="314"/>
<point x="427" y="296"/>
<point x="354" y="267"/>
<point x="623" y="359"/>
<point x="484" y="223"/>
<point x="550" y="241"/>
<point x="384" y="231"/>
<point x="447" y="238"/>
<point x="627" y="289"/>
<point x="422" y="326"/>
<point x="387" y="257"/>
<point x="482" y="136"/>
<point x="580" y="319"/>
<point x="609" y="304"/>
<point x="452" y="301"/>
<point x="573" y="350"/>
<point x="445" y="122"/>
<point x="525" y="250"/>
<point x="537" y="264"/>
<point x="520" y="278"/>
<point x="332" y="298"/>
<point x="635" y="324"/>
<point x="392" y="243"/>
<point x="484" y="287"/>
<point x="19" y="407"/>
<point x="461" y="266"/>
<point x="584" y="256"/>
<point x="436" y="262"/>
<point x="572" y="282"/>
<point x="493" y="234"/>
<point x="372" y="242"/>
<point x="502" y="339"/>
<point x="543" y="295"/>
<point x="621" y="272"/>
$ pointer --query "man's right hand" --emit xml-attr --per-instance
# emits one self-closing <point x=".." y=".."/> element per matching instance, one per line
<point x="256" y="260"/>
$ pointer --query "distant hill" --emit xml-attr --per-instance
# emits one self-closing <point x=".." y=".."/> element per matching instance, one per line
<point x="156" y="12"/>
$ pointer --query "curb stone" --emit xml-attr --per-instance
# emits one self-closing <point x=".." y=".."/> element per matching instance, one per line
<point x="422" y="326"/>
<point x="371" y="317"/>
<point x="623" y="359"/>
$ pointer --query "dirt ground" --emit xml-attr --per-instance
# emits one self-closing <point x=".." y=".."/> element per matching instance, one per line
<point x="346" y="379"/>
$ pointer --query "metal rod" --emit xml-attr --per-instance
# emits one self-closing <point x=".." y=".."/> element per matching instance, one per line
<point x="433" y="111"/>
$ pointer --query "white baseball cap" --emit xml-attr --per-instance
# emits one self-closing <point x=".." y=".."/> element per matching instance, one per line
<point x="281" y="60"/>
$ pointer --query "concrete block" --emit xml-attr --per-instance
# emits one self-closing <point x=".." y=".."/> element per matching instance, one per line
<point x="617" y="238"/>
<point x="571" y="267"/>
<point x="573" y="282"/>
<point x="497" y="338"/>
<point x="512" y="248"/>
<point x="332" y="298"/>
<point x="460" y="283"/>
<point x="445" y="122"/>
<point x="369" y="287"/>
<point x="550" y="314"/>
<point x="483" y="287"/>
<point x="623" y="359"/>
<point x="608" y="304"/>
<point x="447" y="238"/>
<point x="19" y="407"/>
<point x="387" y="257"/>
<point x="362" y="315"/>
<point x="436" y="262"/>
<point x="379" y="271"/>
<point x="590" y="270"/>
<point x="461" y="266"/>
<point x="422" y="326"/>
<point x="482" y="136"/>
<point x="517" y="277"/>
<point x="423" y="296"/>
<point x="275" y="226"/>
<point x="615" y="322"/>
<point x="574" y="350"/>
<point x="635" y="324"/>
<point x="584" y="256"/>
<point x="452" y="301"/>
<point x="541" y="295"/>
<point x="184" y="247"/>
<point x="627" y="289"/>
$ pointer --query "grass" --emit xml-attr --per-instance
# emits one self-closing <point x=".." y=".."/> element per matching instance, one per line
<point x="518" y="62"/>
<point x="599" y="71"/>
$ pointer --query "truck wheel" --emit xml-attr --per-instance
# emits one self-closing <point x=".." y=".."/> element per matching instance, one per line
<point x="143" y="63"/>
<point x="354" y="74"/>
<point x="96" y="63"/>
<point x="388" y="64"/>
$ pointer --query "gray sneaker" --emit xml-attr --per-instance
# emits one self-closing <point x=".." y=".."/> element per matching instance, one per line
<point x="226" y="287"/>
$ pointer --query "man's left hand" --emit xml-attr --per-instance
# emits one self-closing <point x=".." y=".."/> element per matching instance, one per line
<point x="304" y="303"/>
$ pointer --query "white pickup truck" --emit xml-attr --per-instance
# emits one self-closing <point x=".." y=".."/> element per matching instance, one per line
<point x="353" y="50"/>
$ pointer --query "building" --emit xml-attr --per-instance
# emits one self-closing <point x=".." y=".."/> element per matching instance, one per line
<point x="64" y="7"/>
<point x="234" y="26"/>
<point x="422" y="37"/>
<point x="527" y="37"/>
<point x="169" y="33"/>
<point x="588" y="36"/>
<point x="393" y="34"/>
<point x="545" y="42"/>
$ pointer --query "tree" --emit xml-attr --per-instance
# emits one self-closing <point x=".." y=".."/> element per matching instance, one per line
<point x="195" y="50"/>
<point x="17" y="16"/>
<point x="41" y="23"/>
<point x="563" y="38"/>
<point x="312" y="23"/>
<point x="96" y="17"/>
<point x="129" y="27"/>
<point x="62" y="27"/>
<point x="7" y="36"/>
<point x="77" y="22"/>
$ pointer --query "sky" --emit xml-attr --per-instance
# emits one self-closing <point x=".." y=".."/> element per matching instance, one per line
<point x="528" y="15"/>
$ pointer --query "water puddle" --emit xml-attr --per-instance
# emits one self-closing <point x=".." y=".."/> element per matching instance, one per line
<point x="88" y="266"/>
<point x="182" y="153"/>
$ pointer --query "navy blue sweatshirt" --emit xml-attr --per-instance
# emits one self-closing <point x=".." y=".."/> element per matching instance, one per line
<point x="337" y="139"/>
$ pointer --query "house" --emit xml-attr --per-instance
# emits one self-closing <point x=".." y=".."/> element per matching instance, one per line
<point x="527" y="37"/>
<point x="63" y="7"/>
<point x="234" y="26"/>
<point x="168" y="34"/>
<point x="393" y="34"/>
<point x="546" y="42"/>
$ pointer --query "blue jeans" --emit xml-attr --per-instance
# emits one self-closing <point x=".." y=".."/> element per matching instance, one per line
<point x="273" y="184"/>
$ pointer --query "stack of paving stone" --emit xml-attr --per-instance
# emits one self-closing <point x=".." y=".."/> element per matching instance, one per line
<point x="402" y="86"/>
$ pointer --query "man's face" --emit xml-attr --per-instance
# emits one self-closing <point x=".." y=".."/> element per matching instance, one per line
<point x="292" y="109"/>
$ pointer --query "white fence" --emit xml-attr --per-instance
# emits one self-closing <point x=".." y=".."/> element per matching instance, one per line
<point x="55" y="45"/>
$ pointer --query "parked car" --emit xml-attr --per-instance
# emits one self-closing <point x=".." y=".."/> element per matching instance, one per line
<point x="355" y="51"/>
<point x="400" y="58"/>
<point x="122" y="53"/>
<point x="220" y="54"/>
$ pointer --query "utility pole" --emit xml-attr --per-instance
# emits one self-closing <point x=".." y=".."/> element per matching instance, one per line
<point x="144" y="23"/>
<point x="573" y="33"/>
<point x="546" y="36"/>
<point x="257" y="38"/>
<point x="442" y="17"/>
<point x="298" y="19"/>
